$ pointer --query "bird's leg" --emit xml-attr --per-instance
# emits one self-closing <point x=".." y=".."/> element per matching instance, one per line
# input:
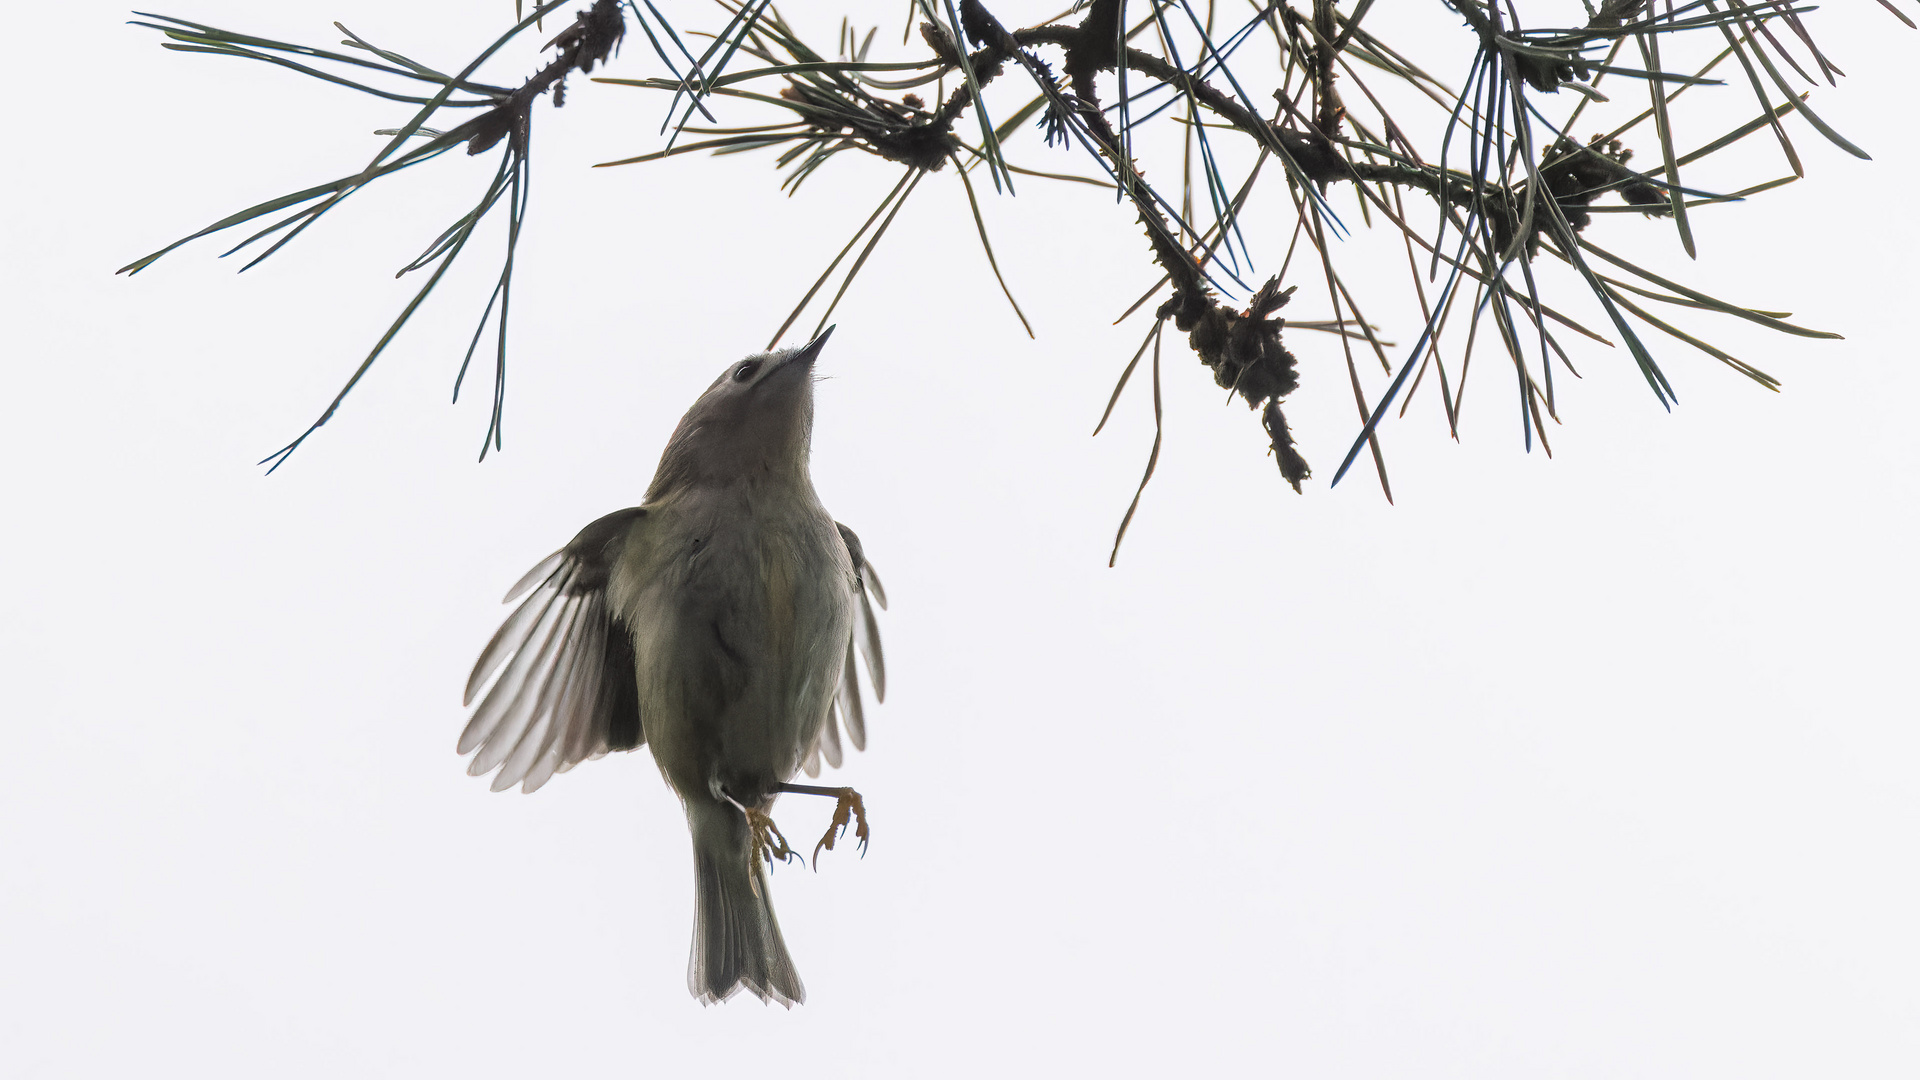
<point x="850" y="809"/>
<point x="768" y="842"/>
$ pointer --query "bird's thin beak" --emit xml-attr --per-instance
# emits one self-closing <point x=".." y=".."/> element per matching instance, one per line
<point x="811" y="352"/>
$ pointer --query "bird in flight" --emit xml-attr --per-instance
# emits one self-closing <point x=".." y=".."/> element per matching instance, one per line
<point x="717" y="623"/>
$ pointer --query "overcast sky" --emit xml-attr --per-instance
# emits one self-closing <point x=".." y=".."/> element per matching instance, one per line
<point x="1586" y="766"/>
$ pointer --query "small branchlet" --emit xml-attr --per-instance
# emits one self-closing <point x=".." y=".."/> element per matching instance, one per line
<point x="1548" y="63"/>
<point x="902" y="131"/>
<point x="1293" y="467"/>
<point x="594" y="35"/>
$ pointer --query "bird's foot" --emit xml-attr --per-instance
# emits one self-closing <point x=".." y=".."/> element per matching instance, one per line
<point x="849" y="810"/>
<point x="768" y="842"/>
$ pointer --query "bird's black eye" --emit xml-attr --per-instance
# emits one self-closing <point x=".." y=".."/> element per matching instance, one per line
<point x="745" y="371"/>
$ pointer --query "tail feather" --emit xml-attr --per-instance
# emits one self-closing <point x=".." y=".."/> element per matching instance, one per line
<point x="736" y="939"/>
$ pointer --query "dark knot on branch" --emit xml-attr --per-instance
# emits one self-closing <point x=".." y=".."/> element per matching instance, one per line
<point x="1576" y="175"/>
<point x="1244" y="351"/>
<point x="1242" y="347"/>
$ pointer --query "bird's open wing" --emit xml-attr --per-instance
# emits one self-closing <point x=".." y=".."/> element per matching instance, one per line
<point x="565" y="691"/>
<point x="846" y="709"/>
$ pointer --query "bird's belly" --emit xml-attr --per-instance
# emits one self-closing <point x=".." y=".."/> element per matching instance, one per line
<point x="736" y="669"/>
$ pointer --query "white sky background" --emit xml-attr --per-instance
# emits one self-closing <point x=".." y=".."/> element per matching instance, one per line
<point x="1596" y="765"/>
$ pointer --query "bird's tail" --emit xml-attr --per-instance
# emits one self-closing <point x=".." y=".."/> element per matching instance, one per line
<point x="736" y="939"/>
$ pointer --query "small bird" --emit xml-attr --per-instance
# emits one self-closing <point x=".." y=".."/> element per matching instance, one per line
<point x="717" y="623"/>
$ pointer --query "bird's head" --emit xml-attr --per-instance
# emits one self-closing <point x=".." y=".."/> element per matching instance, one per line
<point x="755" y="421"/>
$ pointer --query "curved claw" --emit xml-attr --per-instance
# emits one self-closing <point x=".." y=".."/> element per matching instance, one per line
<point x="768" y="842"/>
<point x="851" y="809"/>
